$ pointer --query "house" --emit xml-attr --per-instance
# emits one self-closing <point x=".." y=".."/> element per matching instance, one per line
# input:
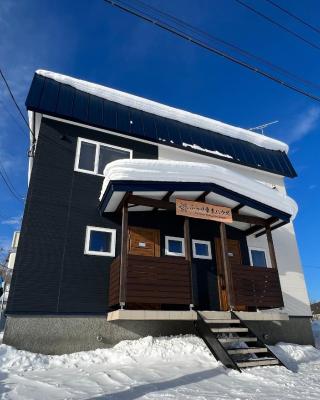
<point x="138" y="215"/>
<point x="315" y="308"/>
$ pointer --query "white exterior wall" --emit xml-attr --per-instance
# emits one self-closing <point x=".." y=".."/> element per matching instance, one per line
<point x="166" y="153"/>
<point x="295" y="296"/>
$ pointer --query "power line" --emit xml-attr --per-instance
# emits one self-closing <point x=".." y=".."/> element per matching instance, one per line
<point x="266" y="17"/>
<point x="8" y="182"/>
<point x="16" y="104"/>
<point x="314" y="28"/>
<point x="21" y="128"/>
<point x="212" y="49"/>
<point x="230" y="45"/>
<point x="9" y="187"/>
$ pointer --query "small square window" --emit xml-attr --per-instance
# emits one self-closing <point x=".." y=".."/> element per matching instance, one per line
<point x="258" y="258"/>
<point x="174" y="246"/>
<point x="100" y="241"/>
<point x="201" y="249"/>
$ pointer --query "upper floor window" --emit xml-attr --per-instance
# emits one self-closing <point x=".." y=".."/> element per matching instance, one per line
<point x="92" y="157"/>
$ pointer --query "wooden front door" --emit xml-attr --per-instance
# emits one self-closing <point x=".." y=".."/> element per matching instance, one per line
<point x="234" y="253"/>
<point x="144" y="242"/>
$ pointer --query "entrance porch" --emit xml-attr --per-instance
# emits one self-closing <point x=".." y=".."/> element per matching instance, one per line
<point x="143" y="277"/>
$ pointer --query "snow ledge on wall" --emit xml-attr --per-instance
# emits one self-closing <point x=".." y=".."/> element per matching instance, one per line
<point x="165" y="111"/>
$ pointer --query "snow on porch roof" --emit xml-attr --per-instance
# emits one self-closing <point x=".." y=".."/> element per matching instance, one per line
<point x="157" y="177"/>
<point x="99" y="106"/>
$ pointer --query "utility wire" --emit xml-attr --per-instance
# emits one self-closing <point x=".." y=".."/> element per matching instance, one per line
<point x="14" y="118"/>
<point x="8" y="182"/>
<point x="9" y="187"/>
<point x="16" y="103"/>
<point x="266" y="17"/>
<point x="3" y="172"/>
<point x="167" y="27"/>
<point x="230" y="45"/>
<point x="314" y="28"/>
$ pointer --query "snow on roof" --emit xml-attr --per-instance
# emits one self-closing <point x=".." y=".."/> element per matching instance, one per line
<point x="178" y="171"/>
<point x="166" y="111"/>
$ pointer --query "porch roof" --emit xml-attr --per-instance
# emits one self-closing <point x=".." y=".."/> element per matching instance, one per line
<point x="160" y="180"/>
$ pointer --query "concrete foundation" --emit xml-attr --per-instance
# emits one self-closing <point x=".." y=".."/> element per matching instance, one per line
<point x="296" y="330"/>
<point x="68" y="334"/>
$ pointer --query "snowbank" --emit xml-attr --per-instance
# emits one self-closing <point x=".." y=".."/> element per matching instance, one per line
<point x="179" y="368"/>
<point x="179" y="171"/>
<point x="126" y="352"/>
<point x="168" y="112"/>
<point x="316" y="333"/>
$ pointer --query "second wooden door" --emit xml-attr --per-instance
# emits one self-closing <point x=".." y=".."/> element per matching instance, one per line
<point x="234" y="254"/>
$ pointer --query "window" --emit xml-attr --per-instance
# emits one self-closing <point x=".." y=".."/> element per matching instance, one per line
<point x="201" y="249"/>
<point x="100" y="241"/>
<point x="258" y="257"/>
<point x="174" y="246"/>
<point x="92" y="157"/>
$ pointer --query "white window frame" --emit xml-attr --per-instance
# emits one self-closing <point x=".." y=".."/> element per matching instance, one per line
<point x="266" y="254"/>
<point x="195" y="255"/>
<point x="97" y="155"/>
<point x="170" y="253"/>
<point x="87" y="250"/>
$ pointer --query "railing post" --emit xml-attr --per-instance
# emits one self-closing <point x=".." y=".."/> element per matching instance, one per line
<point x="226" y="264"/>
<point x="187" y="249"/>
<point x="123" y="256"/>
<point x="271" y="248"/>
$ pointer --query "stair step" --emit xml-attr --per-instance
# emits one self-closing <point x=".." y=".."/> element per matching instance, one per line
<point x="248" y="350"/>
<point x="228" y="330"/>
<point x="237" y="339"/>
<point x="221" y="321"/>
<point x="258" y="363"/>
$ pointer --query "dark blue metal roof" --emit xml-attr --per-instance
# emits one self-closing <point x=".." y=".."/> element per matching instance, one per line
<point x="57" y="99"/>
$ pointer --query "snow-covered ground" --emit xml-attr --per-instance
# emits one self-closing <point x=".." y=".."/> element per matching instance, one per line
<point x="165" y="368"/>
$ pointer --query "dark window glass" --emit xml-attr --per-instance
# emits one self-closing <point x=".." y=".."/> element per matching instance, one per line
<point x="108" y="154"/>
<point x="100" y="241"/>
<point x="202" y="249"/>
<point x="87" y="156"/>
<point x="258" y="258"/>
<point x="175" y="246"/>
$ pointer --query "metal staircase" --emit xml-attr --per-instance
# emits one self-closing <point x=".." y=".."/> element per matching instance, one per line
<point x="233" y="343"/>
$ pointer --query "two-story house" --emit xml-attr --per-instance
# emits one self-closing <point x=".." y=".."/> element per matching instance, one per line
<point x="138" y="214"/>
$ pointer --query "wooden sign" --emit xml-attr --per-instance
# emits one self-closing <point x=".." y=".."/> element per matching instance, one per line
<point x="196" y="209"/>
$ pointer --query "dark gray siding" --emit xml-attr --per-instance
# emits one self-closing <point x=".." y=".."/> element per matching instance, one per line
<point x="51" y="272"/>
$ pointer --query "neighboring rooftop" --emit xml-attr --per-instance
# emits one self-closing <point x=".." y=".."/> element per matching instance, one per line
<point x="73" y="99"/>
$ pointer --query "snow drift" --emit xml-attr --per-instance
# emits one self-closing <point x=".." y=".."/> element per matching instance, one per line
<point x="179" y="368"/>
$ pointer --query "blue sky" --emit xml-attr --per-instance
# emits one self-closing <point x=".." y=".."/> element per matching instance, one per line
<point x="93" y="41"/>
